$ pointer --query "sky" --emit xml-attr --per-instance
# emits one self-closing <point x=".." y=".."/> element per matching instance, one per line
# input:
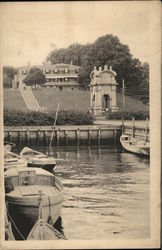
<point x="30" y="30"/>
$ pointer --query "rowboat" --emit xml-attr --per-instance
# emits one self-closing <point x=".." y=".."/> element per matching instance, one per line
<point x="42" y="230"/>
<point x="24" y="198"/>
<point x="135" y="145"/>
<point x="13" y="160"/>
<point x="37" y="159"/>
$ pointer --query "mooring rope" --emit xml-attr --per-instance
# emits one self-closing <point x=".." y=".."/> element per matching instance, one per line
<point x="15" y="225"/>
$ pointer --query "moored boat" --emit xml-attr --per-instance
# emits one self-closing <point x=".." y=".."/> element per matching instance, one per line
<point x="23" y="197"/>
<point x="13" y="160"/>
<point x="38" y="159"/>
<point x="135" y="145"/>
<point x="44" y="231"/>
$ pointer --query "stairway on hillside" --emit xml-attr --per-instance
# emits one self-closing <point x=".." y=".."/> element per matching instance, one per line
<point x="29" y="99"/>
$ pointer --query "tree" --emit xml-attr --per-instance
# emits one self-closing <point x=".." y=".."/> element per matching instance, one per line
<point x="34" y="77"/>
<point x="106" y="50"/>
<point x="73" y="53"/>
<point x="8" y="76"/>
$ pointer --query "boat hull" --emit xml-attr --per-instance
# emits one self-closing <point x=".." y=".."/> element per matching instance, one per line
<point x="44" y="231"/>
<point x="25" y="210"/>
<point x="139" y="151"/>
<point x="48" y="167"/>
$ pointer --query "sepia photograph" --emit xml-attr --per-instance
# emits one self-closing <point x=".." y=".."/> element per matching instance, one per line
<point x="80" y="121"/>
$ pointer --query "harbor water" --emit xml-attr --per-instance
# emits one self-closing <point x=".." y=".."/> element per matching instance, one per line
<point x="106" y="192"/>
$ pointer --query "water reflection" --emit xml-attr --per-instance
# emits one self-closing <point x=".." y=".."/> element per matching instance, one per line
<point x="106" y="192"/>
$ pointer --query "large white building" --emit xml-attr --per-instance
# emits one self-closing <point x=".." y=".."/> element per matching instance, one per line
<point x="61" y="76"/>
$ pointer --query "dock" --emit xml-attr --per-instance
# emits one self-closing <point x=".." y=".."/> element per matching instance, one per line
<point x="71" y="135"/>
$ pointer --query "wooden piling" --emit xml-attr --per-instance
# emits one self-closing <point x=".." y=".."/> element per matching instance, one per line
<point x="133" y="127"/>
<point x="10" y="135"/>
<point x="114" y="135"/>
<point x="27" y="136"/>
<point x="78" y="152"/>
<point x="46" y="137"/>
<point x="38" y="137"/>
<point x="89" y="152"/>
<point x="58" y="136"/>
<point x="99" y="136"/>
<point x="66" y="137"/>
<point x="89" y="136"/>
<point x="78" y="136"/>
<point x="123" y="128"/>
<point x="19" y="137"/>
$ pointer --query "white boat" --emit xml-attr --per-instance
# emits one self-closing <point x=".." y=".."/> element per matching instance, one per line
<point x="135" y="145"/>
<point x="13" y="160"/>
<point x="23" y="196"/>
<point x="44" y="231"/>
<point x="37" y="159"/>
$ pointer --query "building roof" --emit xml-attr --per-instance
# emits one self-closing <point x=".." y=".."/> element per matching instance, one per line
<point x="50" y="66"/>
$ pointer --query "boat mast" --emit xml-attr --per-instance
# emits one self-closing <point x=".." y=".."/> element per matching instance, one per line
<point x="40" y="233"/>
<point x="123" y="106"/>
<point x="54" y="124"/>
<point x="123" y="91"/>
<point x="133" y="127"/>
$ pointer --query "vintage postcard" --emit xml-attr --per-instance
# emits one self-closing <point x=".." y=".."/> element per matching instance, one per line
<point x="80" y="145"/>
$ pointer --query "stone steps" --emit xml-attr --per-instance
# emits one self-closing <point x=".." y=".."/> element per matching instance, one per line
<point x="30" y="100"/>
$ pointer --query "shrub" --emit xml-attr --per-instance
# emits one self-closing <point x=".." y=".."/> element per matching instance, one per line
<point x="139" y="115"/>
<point x="18" y="118"/>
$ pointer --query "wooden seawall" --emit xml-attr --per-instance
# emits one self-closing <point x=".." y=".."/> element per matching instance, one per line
<point x="69" y="135"/>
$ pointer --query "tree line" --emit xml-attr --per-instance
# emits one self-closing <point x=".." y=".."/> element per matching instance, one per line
<point x="106" y="50"/>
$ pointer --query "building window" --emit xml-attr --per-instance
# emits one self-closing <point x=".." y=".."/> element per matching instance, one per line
<point x="66" y="79"/>
<point x="76" y="70"/>
<point x="66" y="70"/>
<point x="55" y="70"/>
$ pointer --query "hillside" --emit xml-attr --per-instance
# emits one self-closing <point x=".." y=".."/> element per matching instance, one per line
<point x="13" y="100"/>
<point x="69" y="100"/>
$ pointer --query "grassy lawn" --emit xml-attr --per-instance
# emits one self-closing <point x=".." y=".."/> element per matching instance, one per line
<point x="131" y="104"/>
<point x="13" y="100"/>
<point x="69" y="100"/>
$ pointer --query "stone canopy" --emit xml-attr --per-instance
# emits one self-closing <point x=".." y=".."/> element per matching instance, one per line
<point x="103" y="90"/>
